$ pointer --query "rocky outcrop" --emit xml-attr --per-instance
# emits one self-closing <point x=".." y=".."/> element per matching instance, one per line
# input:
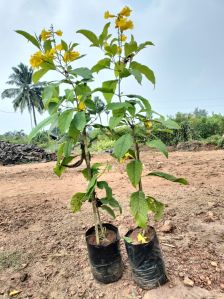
<point x="22" y="153"/>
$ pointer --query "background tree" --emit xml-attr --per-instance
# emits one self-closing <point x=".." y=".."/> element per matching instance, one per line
<point x="25" y="93"/>
<point x="100" y="107"/>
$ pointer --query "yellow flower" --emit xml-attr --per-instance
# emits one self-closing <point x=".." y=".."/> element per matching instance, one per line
<point x="81" y="106"/>
<point x="59" y="32"/>
<point x="141" y="238"/>
<point x="125" y="12"/>
<point x="124" y="24"/>
<point x="148" y="124"/>
<point x="45" y="34"/>
<point x="127" y="156"/>
<point x="70" y="56"/>
<point x="123" y="38"/>
<point x="107" y="15"/>
<point x="59" y="47"/>
<point x="49" y="54"/>
<point x="36" y="59"/>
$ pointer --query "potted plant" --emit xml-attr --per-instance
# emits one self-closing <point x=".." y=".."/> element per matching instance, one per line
<point x="134" y="113"/>
<point x="72" y="109"/>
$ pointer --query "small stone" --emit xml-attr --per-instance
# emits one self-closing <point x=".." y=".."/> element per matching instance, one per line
<point x="181" y="274"/>
<point x="188" y="282"/>
<point x="167" y="227"/>
<point x="23" y="277"/>
<point x="214" y="264"/>
<point x="222" y="286"/>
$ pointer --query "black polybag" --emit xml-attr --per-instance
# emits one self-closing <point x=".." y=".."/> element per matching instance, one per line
<point x="106" y="263"/>
<point x="147" y="262"/>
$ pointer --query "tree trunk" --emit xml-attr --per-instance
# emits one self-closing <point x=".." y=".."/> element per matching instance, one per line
<point x="34" y="115"/>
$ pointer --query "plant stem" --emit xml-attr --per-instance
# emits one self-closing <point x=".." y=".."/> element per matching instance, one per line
<point x="96" y="214"/>
<point x="137" y="153"/>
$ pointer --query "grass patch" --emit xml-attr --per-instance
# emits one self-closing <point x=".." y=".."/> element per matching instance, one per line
<point x="10" y="260"/>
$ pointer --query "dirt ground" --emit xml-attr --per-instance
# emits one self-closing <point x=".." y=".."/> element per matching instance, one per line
<point x="42" y="247"/>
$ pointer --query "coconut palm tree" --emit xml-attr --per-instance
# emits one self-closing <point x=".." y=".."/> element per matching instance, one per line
<point x="25" y="93"/>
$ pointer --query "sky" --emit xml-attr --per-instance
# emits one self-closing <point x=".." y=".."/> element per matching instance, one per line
<point x="188" y="57"/>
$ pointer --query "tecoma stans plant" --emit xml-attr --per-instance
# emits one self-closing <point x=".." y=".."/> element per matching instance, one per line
<point x="71" y="107"/>
<point x="130" y="110"/>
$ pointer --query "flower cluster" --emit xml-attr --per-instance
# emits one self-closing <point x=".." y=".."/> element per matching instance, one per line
<point x="122" y="22"/>
<point x="43" y="56"/>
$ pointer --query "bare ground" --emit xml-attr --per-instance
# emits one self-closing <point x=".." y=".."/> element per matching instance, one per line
<point x="42" y="247"/>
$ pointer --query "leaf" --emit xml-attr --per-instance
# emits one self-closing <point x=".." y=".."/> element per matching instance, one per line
<point x="145" y="103"/>
<point x="114" y="121"/>
<point x="14" y="293"/>
<point x="170" y="124"/>
<point x="158" y="144"/>
<point x="90" y="35"/>
<point x="137" y="75"/>
<point x="64" y="120"/>
<point x="29" y="37"/>
<point x="108" y="210"/>
<point x="134" y="171"/>
<point x="100" y="65"/>
<point x="91" y="186"/>
<point x="38" y="74"/>
<point x="129" y="48"/>
<point x="41" y="125"/>
<point x="104" y="35"/>
<point x="139" y="208"/>
<point x="143" y="45"/>
<point x="112" y="84"/>
<point x="146" y="71"/>
<point x="64" y="45"/>
<point x="118" y="106"/>
<point x="122" y="145"/>
<point x="79" y="120"/>
<point x="84" y="72"/>
<point x="156" y="207"/>
<point x="128" y="239"/>
<point x="76" y="201"/>
<point x="169" y="177"/>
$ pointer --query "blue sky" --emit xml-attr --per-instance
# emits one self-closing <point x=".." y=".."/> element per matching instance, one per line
<point x="188" y="59"/>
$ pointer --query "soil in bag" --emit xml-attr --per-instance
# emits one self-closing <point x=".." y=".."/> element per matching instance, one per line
<point x="146" y="260"/>
<point x="105" y="258"/>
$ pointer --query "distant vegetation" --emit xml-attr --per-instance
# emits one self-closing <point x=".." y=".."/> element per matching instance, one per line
<point x="208" y="129"/>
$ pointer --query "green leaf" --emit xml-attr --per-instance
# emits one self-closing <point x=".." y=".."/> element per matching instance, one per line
<point x="64" y="45"/>
<point x="156" y="207"/>
<point x="139" y="208"/>
<point x="143" y="45"/>
<point x="79" y="120"/>
<point x="112" y="84"/>
<point x="158" y="144"/>
<point x="29" y="37"/>
<point x="47" y="121"/>
<point x="38" y="74"/>
<point x="134" y="171"/>
<point x="83" y="72"/>
<point x="128" y="239"/>
<point x="118" y="106"/>
<point x="91" y="186"/>
<point x="64" y="120"/>
<point x="122" y="145"/>
<point x="108" y="210"/>
<point x="145" y="103"/>
<point x="146" y="71"/>
<point x="114" y="121"/>
<point x="91" y="36"/>
<point x="49" y="92"/>
<point x="68" y="147"/>
<point x="101" y="64"/>
<point x="104" y="35"/>
<point x="76" y="201"/>
<point x="129" y="48"/>
<point x="170" y="124"/>
<point x="137" y="75"/>
<point x="169" y="177"/>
